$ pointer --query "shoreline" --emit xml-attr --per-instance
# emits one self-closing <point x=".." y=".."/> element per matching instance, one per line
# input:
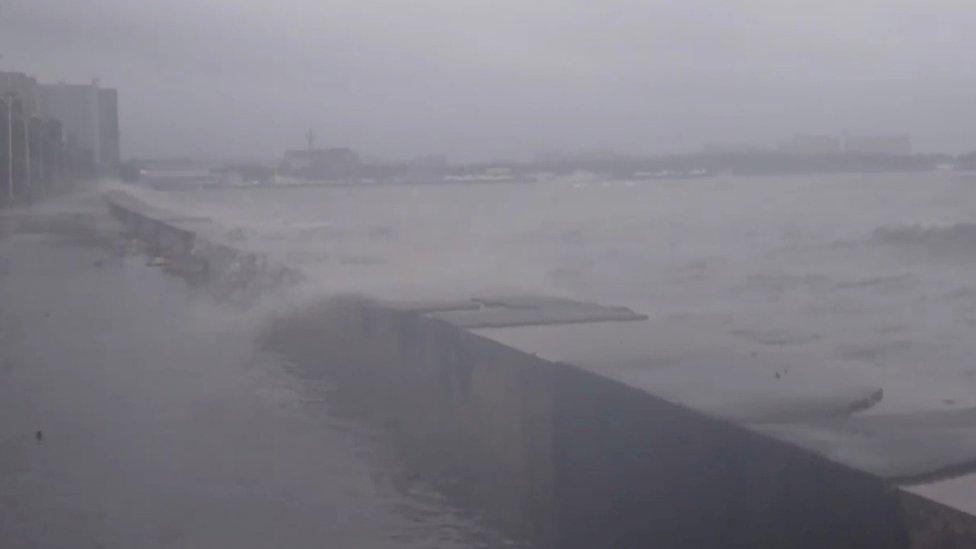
<point x="935" y="524"/>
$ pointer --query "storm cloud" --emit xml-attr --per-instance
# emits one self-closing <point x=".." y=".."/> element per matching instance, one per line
<point x="479" y="79"/>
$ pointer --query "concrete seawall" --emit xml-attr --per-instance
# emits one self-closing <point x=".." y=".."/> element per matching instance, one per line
<point x="557" y="454"/>
<point x="192" y="248"/>
<point x="570" y="459"/>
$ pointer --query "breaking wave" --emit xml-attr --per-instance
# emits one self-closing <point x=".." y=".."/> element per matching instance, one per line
<point x="959" y="238"/>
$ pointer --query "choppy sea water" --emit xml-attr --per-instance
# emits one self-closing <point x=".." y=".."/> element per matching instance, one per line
<point x="865" y="279"/>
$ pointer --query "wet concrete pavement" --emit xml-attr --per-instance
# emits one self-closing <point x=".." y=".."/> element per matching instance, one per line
<point x="164" y="426"/>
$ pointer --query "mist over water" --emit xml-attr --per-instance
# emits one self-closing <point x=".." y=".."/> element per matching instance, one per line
<point x="502" y="78"/>
<point x="848" y="281"/>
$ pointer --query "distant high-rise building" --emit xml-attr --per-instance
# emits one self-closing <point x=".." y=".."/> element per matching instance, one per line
<point x="320" y="163"/>
<point x="889" y="145"/>
<point x="813" y="145"/>
<point x="429" y="161"/>
<point x="23" y="88"/>
<point x="18" y="106"/>
<point x="730" y="147"/>
<point x="89" y="117"/>
<point x="76" y="107"/>
<point x="108" y="125"/>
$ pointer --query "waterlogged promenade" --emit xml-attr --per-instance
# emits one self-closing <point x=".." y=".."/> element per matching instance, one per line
<point x="164" y="425"/>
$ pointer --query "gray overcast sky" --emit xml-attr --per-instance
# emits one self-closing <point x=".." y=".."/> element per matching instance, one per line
<point x="479" y="79"/>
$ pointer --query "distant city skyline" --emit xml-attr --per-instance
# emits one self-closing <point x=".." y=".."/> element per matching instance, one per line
<point x="505" y="79"/>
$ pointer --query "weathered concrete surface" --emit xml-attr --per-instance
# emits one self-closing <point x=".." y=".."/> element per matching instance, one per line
<point x="936" y="526"/>
<point x="902" y="447"/>
<point x="805" y="407"/>
<point x="957" y="492"/>
<point x="572" y="459"/>
<point x="432" y="306"/>
<point x="509" y="311"/>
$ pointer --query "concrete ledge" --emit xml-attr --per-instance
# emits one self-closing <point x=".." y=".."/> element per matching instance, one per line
<point x="936" y="526"/>
<point x="513" y="311"/>
<point x="567" y="458"/>
<point x="193" y="249"/>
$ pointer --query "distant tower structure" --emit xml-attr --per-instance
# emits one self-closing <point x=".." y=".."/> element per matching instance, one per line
<point x="310" y="138"/>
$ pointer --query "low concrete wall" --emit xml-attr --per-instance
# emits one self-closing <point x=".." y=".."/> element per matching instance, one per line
<point x="936" y="526"/>
<point x="192" y="251"/>
<point x="566" y="458"/>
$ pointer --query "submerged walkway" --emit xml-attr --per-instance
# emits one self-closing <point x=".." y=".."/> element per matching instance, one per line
<point x="162" y="426"/>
